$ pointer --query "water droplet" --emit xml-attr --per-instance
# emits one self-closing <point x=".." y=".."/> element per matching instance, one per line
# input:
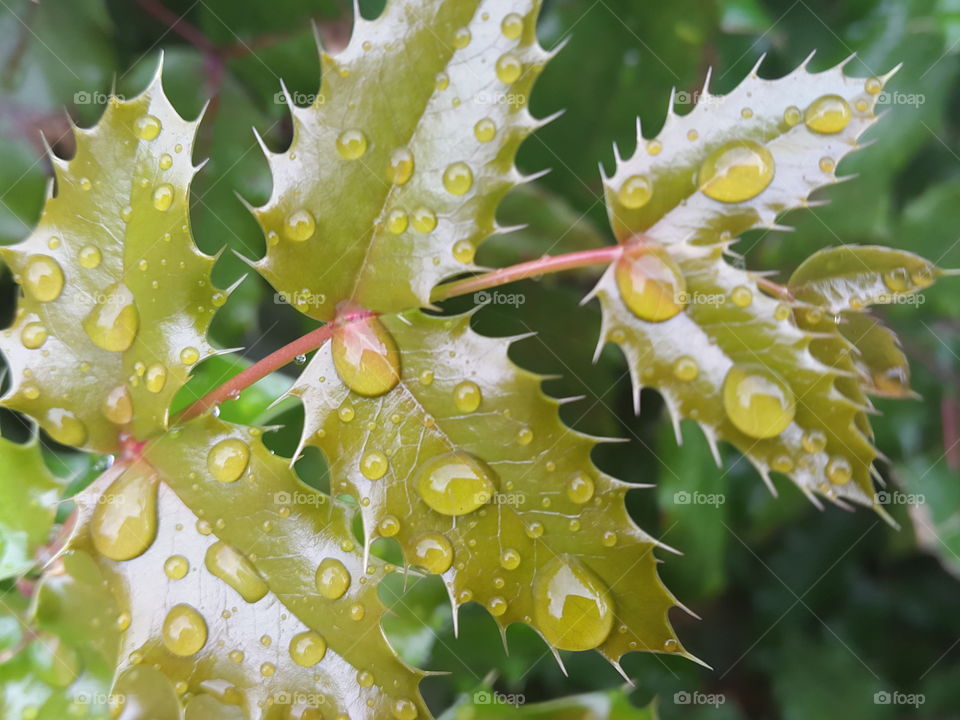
<point x="124" y="523"/>
<point x="512" y="26"/>
<point x="741" y="296"/>
<point x="580" y="488"/>
<point x="424" y="220"/>
<point x="757" y="401"/>
<point x="228" y="459"/>
<point x="307" y="648"/>
<point x="464" y="251"/>
<point x="42" y="278"/>
<point x="166" y="161"/>
<point x="147" y="127"/>
<point x="85" y="184"/>
<point x="114" y="321"/>
<point x="746" y="113"/>
<point x="346" y="413"/>
<point x="299" y="226"/>
<point x="123" y="621"/>
<point x="189" y="355"/>
<point x="524" y="436"/>
<point x="922" y="276"/>
<point x="635" y="192"/>
<point x="236" y="656"/>
<point x="404" y="709"/>
<point x="828" y="114"/>
<point x="176" y="567"/>
<point x="827" y="164"/>
<point x="365" y="678"/>
<point x="267" y="669"/>
<point x="509" y="559"/>
<point x="31" y="392"/>
<point x="235" y="570"/>
<point x="433" y="553"/>
<point x="692" y="135"/>
<point x="485" y="130"/>
<point x="497" y="606"/>
<point x="736" y="171"/>
<point x="458" y="178"/>
<point x="184" y="631"/>
<point x="461" y="38"/>
<point x="509" y="68"/>
<point x="455" y="483"/>
<point x="781" y="312"/>
<point x="572" y="606"/>
<point x="163" y="197"/>
<point x="839" y="471"/>
<point x="33" y="335"/>
<point x="442" y="81"/>
<point x="609" y="538"/>
<point x="117" y="406"/>
<point x="352" y="144"/>
<point x="467" y="396"/>
<point x="374" y="465"/>
<point x="650" y="282"/>
<point x="426" y="377"/>
<point x="534" y="530"/>
<point x="332" y="579"/>
<point x="397" y="221"/>
<point x="156" y="377"/>
<point x="874" y="86"/>
<point x="782" y="464"/>
<point x="685" y="369"/>
<point x="89" y="257"/>
<point x="389" y="526"/>
<point x="813" y="441"/>
<point x="65" y="427"/>
<point x="400" y="167"/>
<point x="792" y="115"/>
<point x="897" y="280"/>
<point x="366" y="357"/>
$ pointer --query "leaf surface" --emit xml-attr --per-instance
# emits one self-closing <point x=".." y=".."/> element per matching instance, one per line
<point x="466" y="464"/>
<point x="116" y="298"/>
<point x="396" y="169"/>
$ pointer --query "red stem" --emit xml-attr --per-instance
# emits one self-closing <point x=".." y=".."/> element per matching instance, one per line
<point x="541" y="266"/>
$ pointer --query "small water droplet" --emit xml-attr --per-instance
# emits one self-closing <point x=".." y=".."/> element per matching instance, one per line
<point x="228" y="459"/>
<point x="827" y="164"/>
<point x="458" y="178"/>
<point x="89" y="256"/>
<point x="461" y="38"/>
<point x="467" y="396"/>
<point x="166" y="161"/>
<point x="117" y="406"/>
<point x="572" y="606"/>
<point x="792" y="115"/>
<point x="524" y="436"/>
<point x="332" y="579"/>
<point x="374" y="465"/>
<point x="741" y="296"/>
<point x="184" y="631"/>
<point x="736" y="171"/>
<point x="352" y="144"/>
<point x="635" y="192"/>
<point x="267" y="669"/>
<point x="485" y="130"/>
<point x="33" y="335"/>
<point x="464" y="251"/>
<point x="509" y="68"/>
<point x="176" y="567"/>
<point x="433" y="553"/>
<point x="512" y="26"/>
<point x="299" y="226"/>
<point x="442" y="81"/>
<point x="42" y="278"/>
<point x="827" y="115"/>
<point x="397" y="221"/>
<point x="147" y="127"/>
<point x="65" y="427"/>
<point x="814" y="441"/>
<point x="365" y="678"/>
<point x="534" y="530"/>
<point x="424" y="220"/>
<point x="307" y="648"/>
<point x="685" y="369"/>
<point x="346" y="413"/>
<point x="839" y="471"/>
<point x="400" y="166"/>
<point x="580" y="488"/>
<point x="388" y="526"/>
<point x="509" y="559"/>
<point x="757" y="401"/>
<point x="155" y="377"/>
<point x="404" y="709"/>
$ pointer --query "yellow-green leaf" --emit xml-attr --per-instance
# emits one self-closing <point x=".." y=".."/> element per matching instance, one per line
<point x="397" y="167"/>
<point x="467" y="465"/>
<point x="116" y="297"/>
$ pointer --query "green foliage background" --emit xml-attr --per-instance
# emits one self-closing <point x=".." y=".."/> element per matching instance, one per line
<point x="806" y="614"/>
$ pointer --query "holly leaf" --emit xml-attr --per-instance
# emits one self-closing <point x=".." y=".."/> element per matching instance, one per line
<point x="396" y="169"/>
<point x="236" y="584"/>
<point x="457" y="455"/>
<point x="754" y="366"/>
<point x="852" y="277"/>
<point x="116" y="297"/>
<point x="28" y="499"/>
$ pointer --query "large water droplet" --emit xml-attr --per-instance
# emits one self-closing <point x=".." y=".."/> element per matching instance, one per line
<point x="467" y="396"/>
<point x="43" y="278"/>
<point x="352" y="144"/>
<point x="404" y="709"/>
<point x="736" y="171"/>
<point x="433" y="553"/>
<point x="332" y="579"/>
<point x="758" y="401"/>
<point x="307" y="648"/>
<point x="485" y="130"/>
<point x="650" y="282"/>
<point x="635" y="192"/>
<point x="366" y="357"/>
<point x="227" y="460"/>
<point x="509" y="68"/>
<point x="33" y="335"/>
<point x="114" y="321"/>
<point x="299" y="226"/>
<point x="828" y="114"/>
<point x="236" y="571"/>
<point x="572" y="606"/>
<point x="512" y="26"/>
<point x="400" y="166"/>
<point x="458" y="178"/>
<point x="455" y="483"/>
<point x="65" y="427"/>
<point x="184" y="631"/>
<point x="118" y="406"/>
<point x="176" y="567"/>
<point x="124" y="523"/>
